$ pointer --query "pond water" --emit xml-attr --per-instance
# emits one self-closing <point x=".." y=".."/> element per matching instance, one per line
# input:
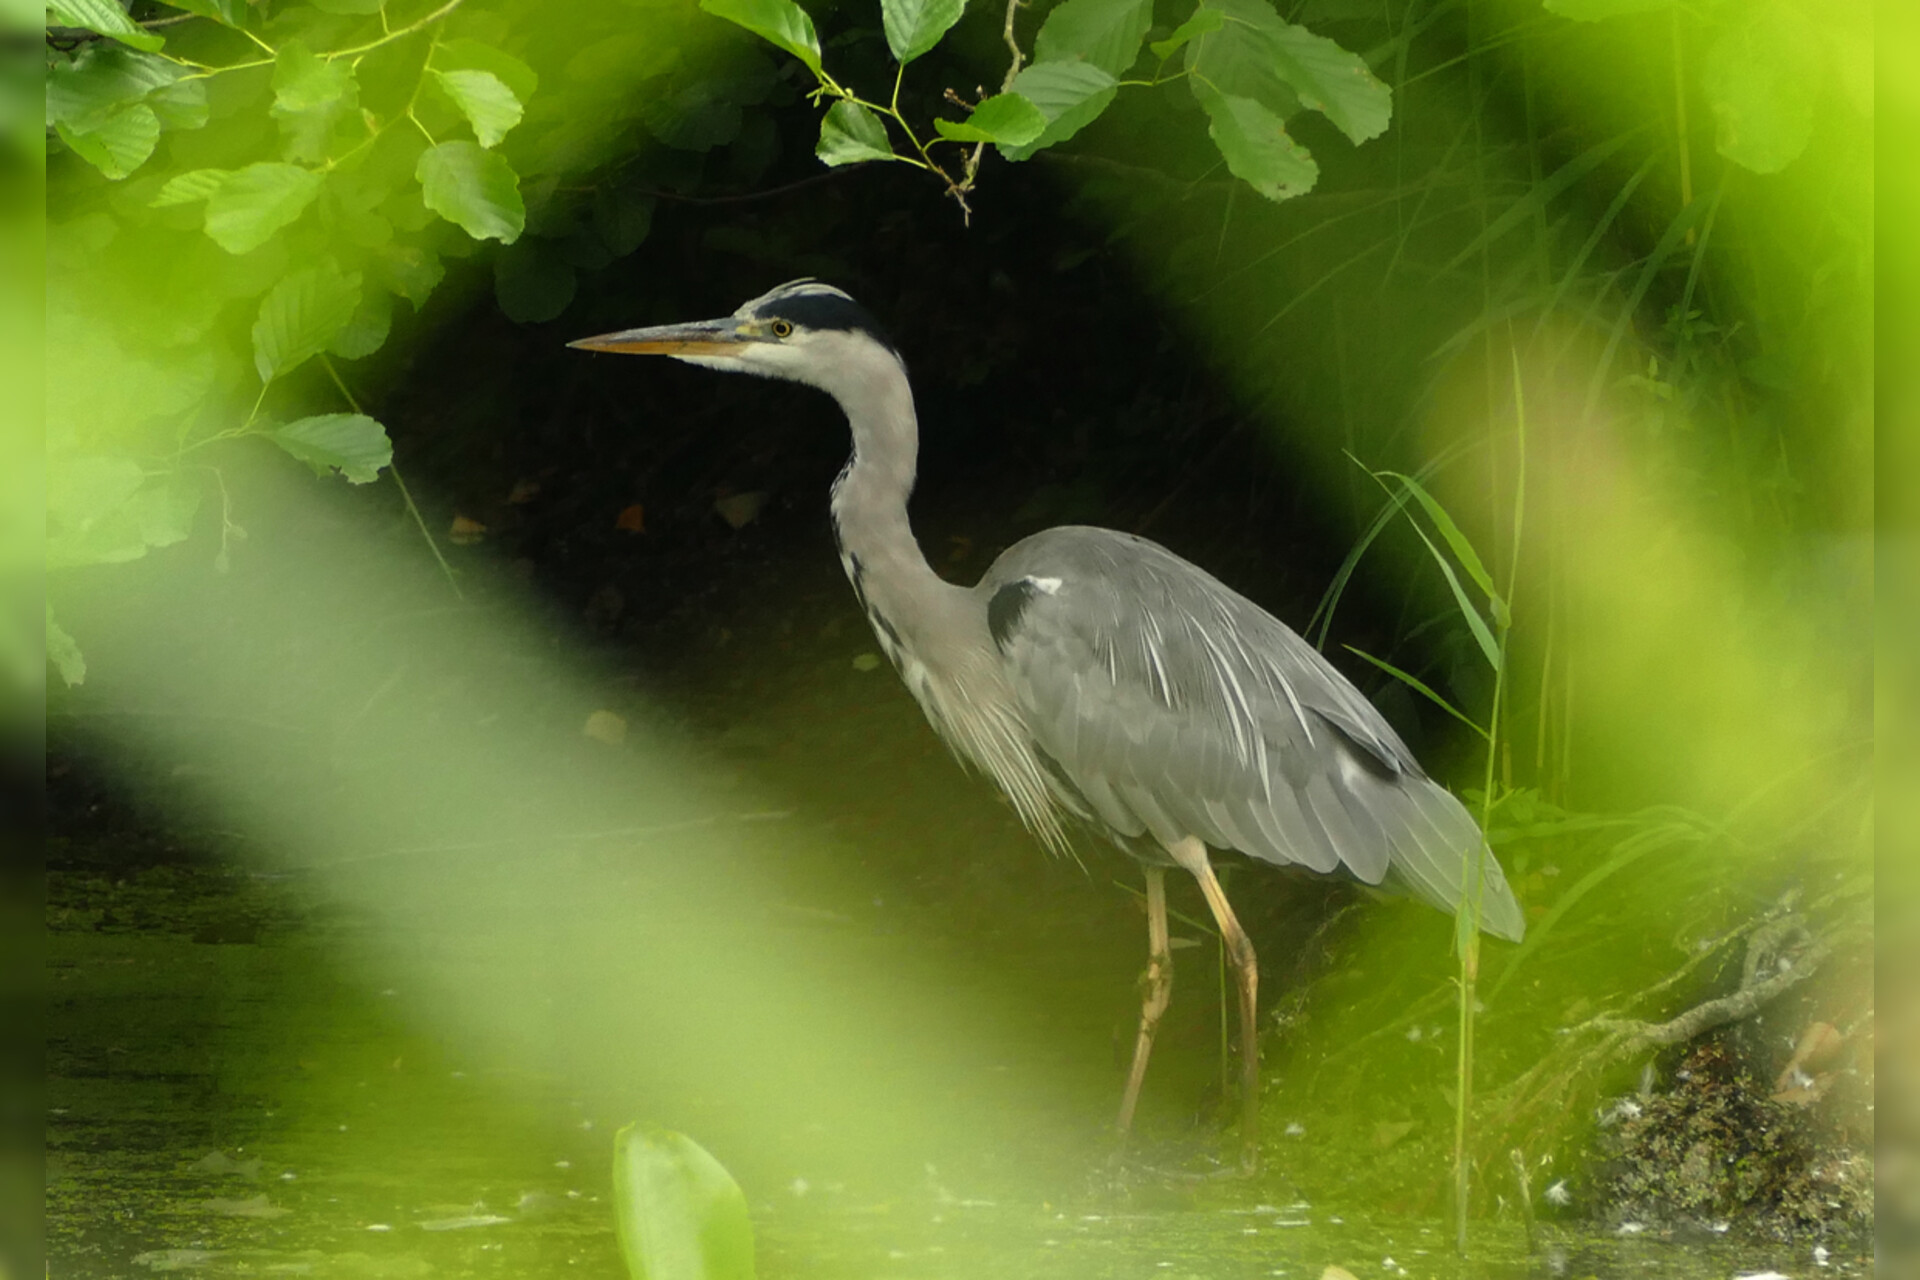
<point x="247" y="1078"/>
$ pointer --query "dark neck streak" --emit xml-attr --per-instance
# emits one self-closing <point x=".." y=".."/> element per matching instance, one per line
<point x="915" y="614"/>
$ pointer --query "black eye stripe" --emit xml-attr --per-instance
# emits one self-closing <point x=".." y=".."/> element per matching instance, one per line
<point x="820" y="310"/>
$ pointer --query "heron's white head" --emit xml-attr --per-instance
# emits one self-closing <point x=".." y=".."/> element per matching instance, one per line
<point x="802" y="331"/>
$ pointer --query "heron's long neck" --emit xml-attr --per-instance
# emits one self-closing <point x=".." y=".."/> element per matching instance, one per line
<point x="902" y="594"/>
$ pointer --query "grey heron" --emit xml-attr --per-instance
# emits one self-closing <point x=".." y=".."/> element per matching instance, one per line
<point x="1103" y="682"/>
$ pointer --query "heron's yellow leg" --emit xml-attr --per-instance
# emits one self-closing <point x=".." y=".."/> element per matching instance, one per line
<point x="1157" y="989"/>
<point x="1192" y="855"/>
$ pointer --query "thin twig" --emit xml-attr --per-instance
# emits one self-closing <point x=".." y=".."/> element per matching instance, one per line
<point x="393" y="470"/>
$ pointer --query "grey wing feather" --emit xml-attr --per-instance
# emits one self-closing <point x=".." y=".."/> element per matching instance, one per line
<point x="1173" y="706"/>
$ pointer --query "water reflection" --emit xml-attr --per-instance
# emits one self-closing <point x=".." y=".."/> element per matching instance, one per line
<point x="249" y="1108"/>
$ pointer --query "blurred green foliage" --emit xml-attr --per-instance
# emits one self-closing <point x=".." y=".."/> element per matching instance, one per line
<point x="678" y="1212"/>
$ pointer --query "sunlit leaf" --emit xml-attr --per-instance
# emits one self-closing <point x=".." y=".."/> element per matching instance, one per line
<point x="850" y="134"/>
<point x="1255" y="54"/>
<point x="484" y="99"/>
<point x="351" y="443"/>
<point x="104" y="16"/>
<point x="915" y="26"/>
<point x="1760" y="85"/>
<point x="257" y="201"/>
<point x="473" y="188"/>
<point x="463" y="54"/>
<point x="677" y="1212"/>
<point x="100" y="78"/>
<point x="117" y="143"/>
<point x="194" y="184"/>
<point x="301" y="315"/>
<point x="1071" y="95"/>
<point x="779" y="22"/>
<point x="1202" y="21"/>
<point x="1005" y="117"/>
<point x="1257" y="148"/>
<point x="1106" y="33"/>
<point x="311" y="95"/>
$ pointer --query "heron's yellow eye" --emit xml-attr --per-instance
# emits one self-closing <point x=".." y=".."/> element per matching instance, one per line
<point x="782" y="329"/>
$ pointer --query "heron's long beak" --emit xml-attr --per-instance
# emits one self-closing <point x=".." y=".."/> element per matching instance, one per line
<point x="700" y="338"/>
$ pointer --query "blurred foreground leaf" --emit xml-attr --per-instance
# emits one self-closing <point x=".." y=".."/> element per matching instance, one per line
<point x="678" y="1212"/>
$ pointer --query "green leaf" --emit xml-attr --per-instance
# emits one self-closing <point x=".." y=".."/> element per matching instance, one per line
<point x="1760" y="84"/>
<point x="1599" y="10"/>
<point x="230" y="13"/>
<point x="779" y="22"/>
<point x="104" y="16"/>
<point x="474" y="188"/>
<point x="1106" y="33"/>
<point x="621" y="219"/>
<point x="408" y="270"/>
<point x="1255" y="54"/>
<point x="301" y="315"/>
<point x="1071" y="95"/>
<point x="532" y="282"/>
<point x="1257" y="148"/>
<point x="82" y="490"/>
<point x="677" y="1212"/>
<point x="311" y="96"/>
<point x="105" y="510"/>
<point x="351" y="443"/>
<point x="1005" y="117"/>
<point x="63" y="653"/>
<point x="1202" y="21"/>
<point x="915" y="26"/>
<point x="99" y="79"/>
<point x="367" y="332"/>
<point x="484" y="99"/>
<point x="117" y="143"/>
<point x="257" y="201"/>
<point x="850" y="134"/>
<point x="463" y="54"/>
<point x="186" y="188"/>
<point x="354" y="8"/>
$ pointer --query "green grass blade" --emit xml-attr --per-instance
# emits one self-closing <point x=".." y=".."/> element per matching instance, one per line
<point x="1456" y="541"/>
<point x="1416" y="684"/>
<point x="1475" y="623"/>
<point x="1537" y="197"/>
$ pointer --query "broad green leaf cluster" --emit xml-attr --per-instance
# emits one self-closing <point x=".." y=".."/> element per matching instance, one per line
<point x="242" y="198"/>
<point x="1249" y="69"/>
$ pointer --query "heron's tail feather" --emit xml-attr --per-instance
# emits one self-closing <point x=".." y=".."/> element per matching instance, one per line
<point x="1435" y="845"/>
